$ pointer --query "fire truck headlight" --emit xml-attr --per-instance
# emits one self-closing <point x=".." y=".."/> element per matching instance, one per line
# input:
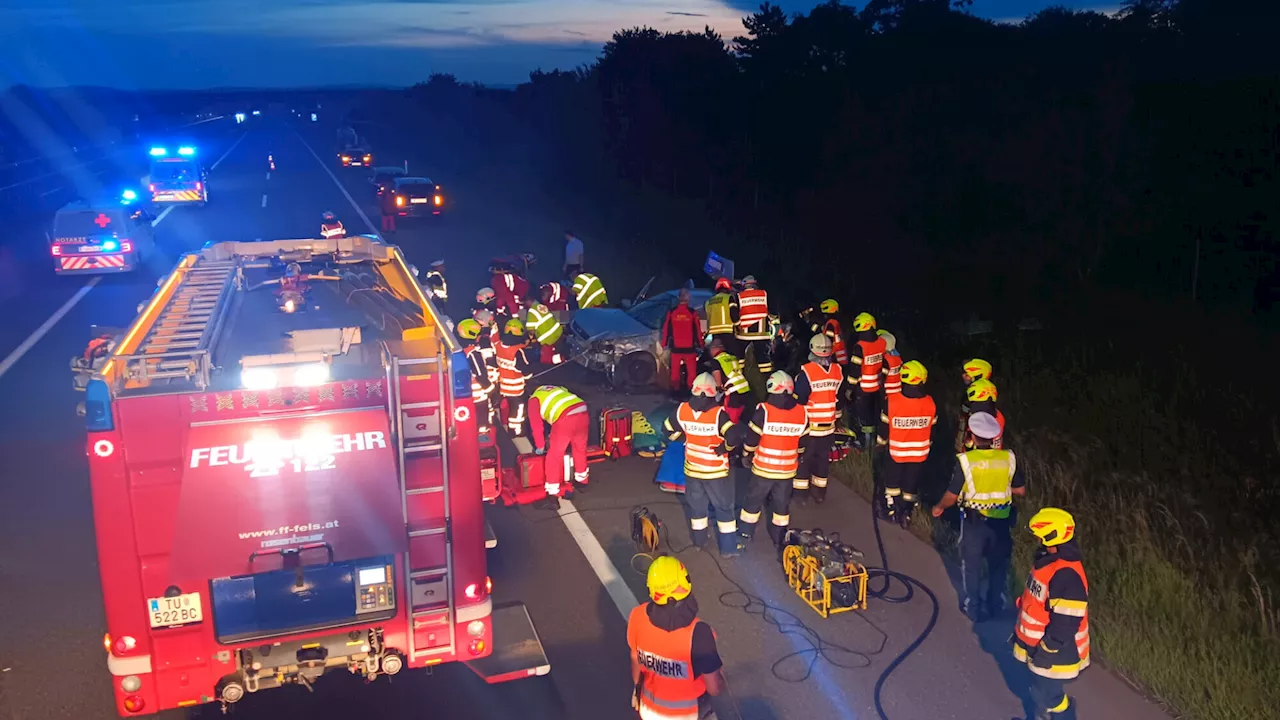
<point x="475" y="628"/>
<point x="258" y="379"/>
<point x="131" y="684"/>
<point x="313" y="374"/>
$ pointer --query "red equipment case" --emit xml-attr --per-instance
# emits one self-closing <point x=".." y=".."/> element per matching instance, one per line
<point x="615" y="432"/>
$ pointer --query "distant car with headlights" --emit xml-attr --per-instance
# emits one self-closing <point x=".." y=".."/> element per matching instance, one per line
<point x="101" y="237"/>
<point x="623" y="343"/>
<point x="383" y="178"/>
<point x="357" y="155"/>
<point x="417" y="197"/>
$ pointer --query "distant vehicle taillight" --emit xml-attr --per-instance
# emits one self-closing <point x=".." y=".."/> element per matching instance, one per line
<point x="153" y="187"/>
<point x="126" y="246"/>
<point x="399" y="201"/>
<point x="57" y="250"/>
<point x="199" y="186"/>
<point x="439" y="200"/>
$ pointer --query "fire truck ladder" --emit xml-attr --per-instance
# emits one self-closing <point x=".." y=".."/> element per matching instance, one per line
<point x="424" y="613"/>
<point x="177" y="345"/>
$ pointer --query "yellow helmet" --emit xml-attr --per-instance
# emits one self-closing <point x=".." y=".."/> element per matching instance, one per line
<point x="668" y="580"/>
<point x="982" y="391"/>
<point x="1053" y="526"/>
<point x="864" y="321"/>
<point x="977" y="369"/>
<point x="513" y="327"/>
<point x="914" y="372"/>
<point x="469" y="329"/>
<point x="829" y="306"/>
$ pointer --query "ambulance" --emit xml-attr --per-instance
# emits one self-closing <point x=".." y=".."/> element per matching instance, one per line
<point x="286" y="482"/>
<point x="176" y="176"/>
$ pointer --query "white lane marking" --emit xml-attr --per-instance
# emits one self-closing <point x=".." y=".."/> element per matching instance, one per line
<point x="268" y="175"/>
<point x="228" y="152"/>
<point x="354" y="205"/>
<point x="264" y="201"/>
<point x="50" y="192"/>
<point x="599" y="560"/>
<point x="44" y="329"/>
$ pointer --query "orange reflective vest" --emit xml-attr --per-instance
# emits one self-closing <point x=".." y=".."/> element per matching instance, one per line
<point x="703" y="433"/>
<point x="753" y="315"/>
<point x="892" y="373"/>
<point x="1035" y="607"/>
<point x="824" y="388"/>
<point x="831" y="328"/>
<point x="511" y="377"/>
<point x="910" y="422"/>
<point x="871" y="361"/>
<point x="777" y="457"/>
<point x="669" y="690"/>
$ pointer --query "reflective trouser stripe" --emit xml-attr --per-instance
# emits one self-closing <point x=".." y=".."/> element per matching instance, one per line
<point x="746" y="517"/>
<point x="800" y="483"/>
<point x="730" y="526"/>
<point x="781" y="520"/>
<point x="819" y="481"/>
<point x="701" y="523"/>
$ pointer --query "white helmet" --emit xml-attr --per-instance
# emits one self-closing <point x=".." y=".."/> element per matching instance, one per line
<point x="890" y="342"/>
<point x="749" y="281"/>
<point x="820" y="346"/>
<point x="705" y="385"/>
<point x="485" y="295"/>
<point x="780" y="382"/>
<point x="484" y="317"/>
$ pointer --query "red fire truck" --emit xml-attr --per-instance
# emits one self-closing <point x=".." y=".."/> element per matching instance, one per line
<point x="286" y="480"/>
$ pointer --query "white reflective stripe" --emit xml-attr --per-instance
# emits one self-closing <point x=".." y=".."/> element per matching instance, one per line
<point x="800" y="483"/>
<point x="1026" y="619"/>
<point x="701" y="453"/>
<point x="781" y="520"/>
<point x="727" y="527"/>
<point x="136" y="665"/>
<point x="701" y="523"/>
<point x="479" y="611"/>
<point x="650" y="713"/>
<point x="747" y="517"/>
<point x="907" y="444"/>
<point x="1031" y="634"/>
<point x="1073" y="612"/>
<point x="819" y="481"/>
<point x="583" y="476"/>
<point x="551" y="488"/>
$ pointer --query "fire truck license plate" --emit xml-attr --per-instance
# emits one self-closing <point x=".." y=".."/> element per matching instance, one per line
<point x="177" y="610"/>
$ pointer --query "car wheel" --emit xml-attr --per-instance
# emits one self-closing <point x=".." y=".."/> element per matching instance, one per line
<point x="637" y="370"/>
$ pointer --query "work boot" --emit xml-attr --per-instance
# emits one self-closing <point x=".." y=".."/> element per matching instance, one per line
<point x="550" y="502"/>
<point x="729" y="545"/>
<point x="579" y="486"/>
<point x="801" y="496"/>
<point x="819" y="494"/>
<point x="776" y="534"/>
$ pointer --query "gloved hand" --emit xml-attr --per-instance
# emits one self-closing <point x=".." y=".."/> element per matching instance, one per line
<point x="746" y="459"/>
<point x="540" y="451"/>
<point x="722" y="449"/>
<point x="1043" y="657"/>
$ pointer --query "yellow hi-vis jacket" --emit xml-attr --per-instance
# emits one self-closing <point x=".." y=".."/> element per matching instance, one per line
<point x="589" y="291"/>
<point x="546" y="328"/>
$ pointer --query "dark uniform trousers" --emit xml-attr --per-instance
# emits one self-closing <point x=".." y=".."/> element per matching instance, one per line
<point x="990" y="539"/>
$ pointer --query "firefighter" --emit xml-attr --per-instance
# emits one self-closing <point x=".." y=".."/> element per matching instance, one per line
<point x="548" y="331"/>
<point x="751" y="324"/>
<point x="719" y="308"/>
<point x="567" y="415"/>
<point x="682" y="335"/>
<point x="818" y="389"/>
<point x="555" y="296"/>
<point x="973" y="370"/>
<point x="513" y="374"/>
<point x="486" y="299"/>
<point x="786" y="353"/>
<point x="387" y="207"/>
<point x="435" y="281"/>
<point x="705" y="426"/>
<point x="774" y="439"/>
<point x="1052" y="632"/>
<point x="906" y="427"/>
<point x="892" y="364"/>
<point x="728" y="374"/>
<point x="984" y="482"/>
<point x="509" y="290"/>
<point x="331" y="227"/>
<point x="675" y="665"/>
<point x="470" y="335"/>
<point x="867" y="357"/>
<point x="588" y="291"/>
<point x="982" y="396"/>
<point x="829" y="324"/>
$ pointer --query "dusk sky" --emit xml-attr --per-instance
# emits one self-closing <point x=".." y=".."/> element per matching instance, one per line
<point x="151" y="44"/>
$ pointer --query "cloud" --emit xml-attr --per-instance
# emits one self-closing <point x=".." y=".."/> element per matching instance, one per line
<point x="686" y="14"/>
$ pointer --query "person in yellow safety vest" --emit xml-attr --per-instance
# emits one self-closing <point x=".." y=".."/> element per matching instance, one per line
<point x="972" y="371"/>
<point x="984" y="482"/>
<point x="751" y="324"/>
<point x="1052" y="633"/>
<point x="829" y="325"/>
<point x="775" y="438"/>
<point x="892" y="363"/>
<point x="705" y="425"/>
<point x="548" y="331"/>
<point x="588" y="291"/>
<point x="906" y="428"/>
<point x="727" y="370"/>
<point x="866" y="357"/>
<point x="482" y="385"/>
<point x="719" y="309"/>
<point x="818" y="389"/>
<point x="331" y="227"/>
<point x="675" y="664"/>
<point x="435" y="282"/>
<point x="570" y="422"/>
<point x="513" y="375"/>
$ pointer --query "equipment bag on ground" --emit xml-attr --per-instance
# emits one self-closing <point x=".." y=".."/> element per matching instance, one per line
<point x="671" y="476"/>
<point x="615" y="432"/>
<point x="647" y="436"/>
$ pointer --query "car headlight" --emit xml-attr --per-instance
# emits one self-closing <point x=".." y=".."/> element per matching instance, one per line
<point x="605" y="347"/>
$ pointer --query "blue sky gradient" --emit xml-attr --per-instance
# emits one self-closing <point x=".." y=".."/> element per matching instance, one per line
<point x="149" y="44"/>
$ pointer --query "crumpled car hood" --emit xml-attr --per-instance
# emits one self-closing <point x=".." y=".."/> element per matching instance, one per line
<point x="609" y="324"/>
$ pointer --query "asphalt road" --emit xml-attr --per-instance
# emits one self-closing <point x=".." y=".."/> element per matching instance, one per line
<point x="51" y="660"/>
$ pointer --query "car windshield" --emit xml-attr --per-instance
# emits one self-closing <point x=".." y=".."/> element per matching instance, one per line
<point x="83" y="223"/>
<point x="173" y="172"/>
<point x="651" y="312"/>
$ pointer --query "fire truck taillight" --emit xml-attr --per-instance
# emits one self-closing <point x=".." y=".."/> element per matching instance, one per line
<point x="125" y="644"/>
<point x="104" y="448"/>
<point x="134" y="703"/>
<point x="476" y="647"/>
<point x="106" y="642"/>
<point x="488" y="586"/>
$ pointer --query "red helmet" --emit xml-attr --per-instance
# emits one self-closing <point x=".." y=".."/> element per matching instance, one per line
<point x="723" y="284"/>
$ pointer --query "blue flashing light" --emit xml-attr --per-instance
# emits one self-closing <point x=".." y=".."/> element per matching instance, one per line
<point x="110" y="245"/>
<point x="129" y="195"/>
<point x="97" y="405"/>
<point x="158" y="152"/>
<point x="186" y="151"/>
<point x="461" y="376"/>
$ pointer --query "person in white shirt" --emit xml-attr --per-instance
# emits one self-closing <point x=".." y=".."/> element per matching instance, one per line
<point x="573" y="252"/>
